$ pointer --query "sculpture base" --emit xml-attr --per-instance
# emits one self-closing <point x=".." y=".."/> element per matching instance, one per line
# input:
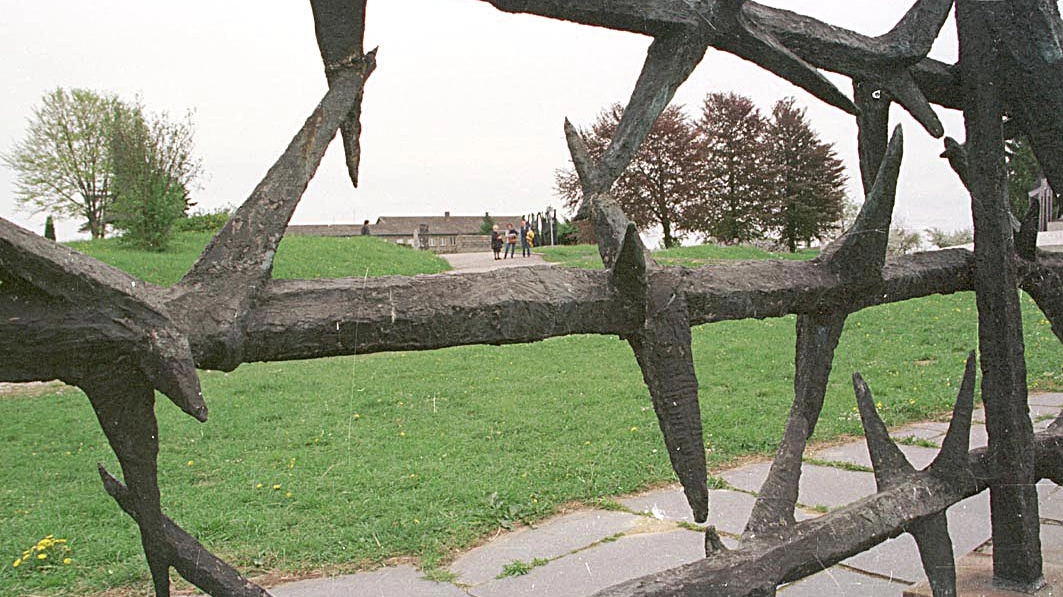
<point x="974" y="578"/>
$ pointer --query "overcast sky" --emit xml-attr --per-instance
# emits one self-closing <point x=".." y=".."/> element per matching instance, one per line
<point x="463" y="114"/>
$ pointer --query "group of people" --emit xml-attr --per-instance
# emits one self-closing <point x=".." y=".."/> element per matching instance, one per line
<point x="508" y="239"/>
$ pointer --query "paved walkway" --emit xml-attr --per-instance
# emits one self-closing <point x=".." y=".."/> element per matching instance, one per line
<point x="485" y="261"/>
<point x="577" y="554"/>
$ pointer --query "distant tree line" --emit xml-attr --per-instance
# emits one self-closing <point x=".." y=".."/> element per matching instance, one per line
<point x="91" y="156"/>
<point x="731" y="175"/>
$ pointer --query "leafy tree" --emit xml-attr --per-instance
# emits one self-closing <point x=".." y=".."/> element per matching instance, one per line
<point x="733" y="208"/>
<point x="941" y="239"/>
<point x="49" y="228"/>
<point x="663" y="179"/>
<point x="152" y="166"/>
<point x="902" y="241"/>
<point x="806" y="180"/>
<point x="62" y="165"/>
<point x="733" y="175"/>
<point x="487" y="224"/>
<point x="1024" y="173"/>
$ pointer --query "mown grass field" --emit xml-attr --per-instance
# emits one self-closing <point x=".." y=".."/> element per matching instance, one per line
<point x="342" y="464"/>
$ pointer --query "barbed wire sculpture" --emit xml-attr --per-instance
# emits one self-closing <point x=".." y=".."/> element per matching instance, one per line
<point x="119" y="338"/>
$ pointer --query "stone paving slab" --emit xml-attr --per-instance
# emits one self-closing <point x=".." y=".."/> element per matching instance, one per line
<point x="1047" y="399"/>
<point x="1050" y="501"/>
<point x="667" y="503"/>
<point x="550" y="539"/>
<point x="857" y="453"/>
<point x="842" y="582"/>
<point x="820" y="485"/>
<point x="934" y="432"/>
<point x="589" y="571"/>
<point x="402" y="581"/>
<point x="728" y="510"/>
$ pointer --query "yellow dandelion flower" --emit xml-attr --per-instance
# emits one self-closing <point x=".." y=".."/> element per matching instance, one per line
<point x="191" y="462"/>
<point x="287" y="494"/>
<point x="17" y="563"/>
<point x="634" y="428"/>
<point x="276" y="486"/>
<point x="67" y="561"/>
<point x="402" y="434"/>
<point x="42" y="556"/>
<point x="258" y="486"/>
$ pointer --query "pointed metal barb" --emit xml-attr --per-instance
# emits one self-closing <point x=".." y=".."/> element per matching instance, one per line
<point x="669" y="61"/>
<point x="339" y="26"/>
<point x="905" y="91"/>
<point x="956" y="153"/>
<point x="191" y="560"/>
<point x="932" y="537"/>
<point x="861" y="252"/>
<point x="952" y="461"/>
<point x="629" y="271"/>
<point x="159" y="347"/>
<point x="759" y="46"/>
<point x="913" y="36"/>
<point x="1026" y="239"/>
<point x="891" y="466"/>
<point x="713" y="543"/>
<point x="587" y="168"/>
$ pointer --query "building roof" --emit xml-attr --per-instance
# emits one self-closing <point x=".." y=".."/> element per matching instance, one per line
<point x="405" y="226"/>
<point x="445" y="224"/>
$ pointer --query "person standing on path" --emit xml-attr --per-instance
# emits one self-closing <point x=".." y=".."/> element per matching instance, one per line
<point x="511" y="242"/>
<point x="525" y="245"/>
<point x="496" y="241"/>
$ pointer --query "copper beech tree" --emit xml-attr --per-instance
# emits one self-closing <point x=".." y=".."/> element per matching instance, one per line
<point x="120" y="339"/>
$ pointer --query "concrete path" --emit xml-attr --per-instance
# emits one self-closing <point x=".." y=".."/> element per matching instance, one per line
<point x="485" y="261"/>
<point x="577" y="554"/>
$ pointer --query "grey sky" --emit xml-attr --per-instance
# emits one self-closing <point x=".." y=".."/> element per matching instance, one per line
<point x="463" y="114"/>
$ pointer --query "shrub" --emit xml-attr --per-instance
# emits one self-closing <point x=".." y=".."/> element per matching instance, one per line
<point x="204" y="221"/>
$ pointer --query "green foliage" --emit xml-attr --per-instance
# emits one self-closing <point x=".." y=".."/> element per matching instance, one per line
<point x="567" y="233"/>
<point x="941" y="239"/>
<point x="731" y="174"/>
<point x="152" y="167"/>
<point x="902" y="241"/>
<point x="663" y="178"/>
<point x="372" y="453"/>
<point x="520" y="567"/>
<point x="92" y="156"/>
<point x="62" y="164"/>
<point x="487" y="224"/>
<point x="1024" y="172"/>
<point x="204" y="221"/>
<point x="49" y="228"/>
<point x="808" y="193"/>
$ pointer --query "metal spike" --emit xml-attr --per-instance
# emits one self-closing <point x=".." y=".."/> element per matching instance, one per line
<point x="861" y="252"/>
<point x="890" y="464"/>
<point x="952" y="458"/>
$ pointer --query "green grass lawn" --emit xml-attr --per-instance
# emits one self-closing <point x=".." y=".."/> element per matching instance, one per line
<point x="340" y="464"/>
<point x="297" y="257"/>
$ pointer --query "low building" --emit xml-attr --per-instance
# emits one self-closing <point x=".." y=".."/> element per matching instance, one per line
<point x="1046" y="197"/>
<point x="440" y="234"/>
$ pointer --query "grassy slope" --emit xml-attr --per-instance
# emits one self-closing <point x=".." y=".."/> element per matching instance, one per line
<point x="297" y="257"/>
<point x="394" y="454"/>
